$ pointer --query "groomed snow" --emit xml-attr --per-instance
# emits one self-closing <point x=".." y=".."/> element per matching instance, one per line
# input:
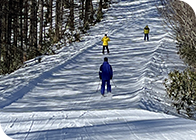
<point x="57" y="99"/>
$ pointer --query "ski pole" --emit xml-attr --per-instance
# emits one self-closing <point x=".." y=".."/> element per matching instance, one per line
<point x="114" y="83"/>
<point x="98" y="85"/>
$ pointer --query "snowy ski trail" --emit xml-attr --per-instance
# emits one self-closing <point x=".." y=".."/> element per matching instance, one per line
<point x="57" y="99"/>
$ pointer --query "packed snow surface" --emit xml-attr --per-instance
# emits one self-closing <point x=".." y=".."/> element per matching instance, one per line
<point x="59" y="98"/>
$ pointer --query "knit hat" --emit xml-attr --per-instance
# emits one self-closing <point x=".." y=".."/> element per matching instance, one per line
<point x="106" y="59"/>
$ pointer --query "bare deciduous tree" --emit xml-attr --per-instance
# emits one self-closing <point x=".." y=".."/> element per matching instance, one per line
<point x="180" y="17"/>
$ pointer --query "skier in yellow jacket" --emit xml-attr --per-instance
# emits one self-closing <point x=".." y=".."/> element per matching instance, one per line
<point x="146" y="32"/>
<point x="105" y="40"/>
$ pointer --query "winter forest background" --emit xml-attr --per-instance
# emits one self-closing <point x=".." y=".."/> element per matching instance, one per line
<point x="31" y="28"/>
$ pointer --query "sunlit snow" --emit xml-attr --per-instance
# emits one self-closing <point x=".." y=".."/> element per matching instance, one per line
<point x="57" y="99"/>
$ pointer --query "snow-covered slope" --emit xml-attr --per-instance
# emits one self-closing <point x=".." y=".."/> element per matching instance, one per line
<point x="58" y="99"/>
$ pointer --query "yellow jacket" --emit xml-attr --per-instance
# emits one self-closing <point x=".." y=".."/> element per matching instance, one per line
<point x="146" y="30"/>
<point x="105" y="40"/>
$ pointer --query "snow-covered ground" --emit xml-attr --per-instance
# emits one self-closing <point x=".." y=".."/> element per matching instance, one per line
<point x="58" y="99"/>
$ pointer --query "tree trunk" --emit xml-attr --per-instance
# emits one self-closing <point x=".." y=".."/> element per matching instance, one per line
<point x="8" y="38"/>
<point x="86" y="18"/>
<point x="26" y="26"/>
<point x="50" y="13"/>
<point x="91" y="12"/>
<point x="56" y="37"/>
<point x="41" y="24"/>
<point x="82" y="9"/>
<point x="71" y="24"/>
<point x="21" y="31"/>
<point x="100" y="13"/>
<point x="33" y="30"/>
<point x="1" y="17"/>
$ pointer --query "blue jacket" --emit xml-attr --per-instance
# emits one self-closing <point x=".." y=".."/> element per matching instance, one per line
<point x="106" y="72"/>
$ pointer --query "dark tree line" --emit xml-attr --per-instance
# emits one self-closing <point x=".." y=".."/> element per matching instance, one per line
<point x="29" y="28"/>
<point x="181" y="85"/>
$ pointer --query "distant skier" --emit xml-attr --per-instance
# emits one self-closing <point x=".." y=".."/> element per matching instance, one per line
<point x="146" y="33"/>
<point x="105" y="40"/>
<point x="105" y="73"/>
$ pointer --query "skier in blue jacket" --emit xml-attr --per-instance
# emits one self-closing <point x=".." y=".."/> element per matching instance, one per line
<point x="105" y="73"/>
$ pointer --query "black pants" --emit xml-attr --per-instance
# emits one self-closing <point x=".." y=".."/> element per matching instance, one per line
<point x="146" y="36"/>
<point x="104" y="49"/>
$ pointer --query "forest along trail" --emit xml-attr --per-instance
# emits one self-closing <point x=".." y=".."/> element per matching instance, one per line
<point x="137" y="65"/>
<point x="57" y="99"/>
